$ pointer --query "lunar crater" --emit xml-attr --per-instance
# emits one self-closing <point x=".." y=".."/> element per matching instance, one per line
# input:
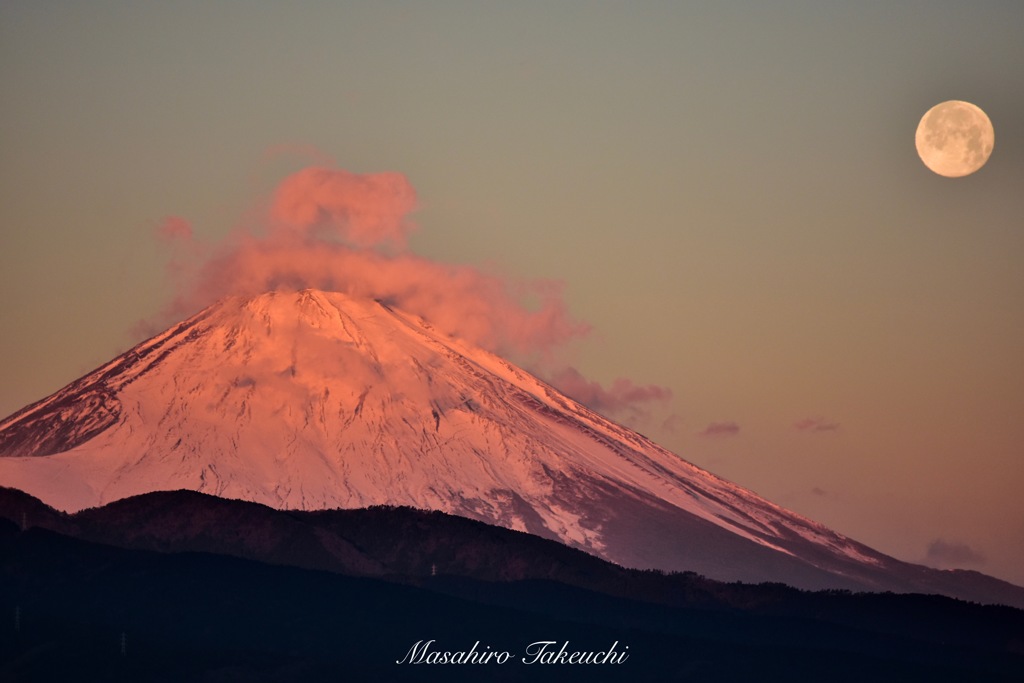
<point x="955" y="138"/>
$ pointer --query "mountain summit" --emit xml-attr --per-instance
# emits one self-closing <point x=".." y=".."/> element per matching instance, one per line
<point x="312" y="400"/>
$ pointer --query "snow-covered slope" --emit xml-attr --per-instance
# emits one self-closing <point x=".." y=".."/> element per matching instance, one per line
<point x="310" y="400"/>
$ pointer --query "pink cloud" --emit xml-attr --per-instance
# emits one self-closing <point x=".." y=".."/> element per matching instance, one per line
<point x="329" y="229"/>
<point x="322" y="230"/>
<point x="720" y="429"/>
<point x="363" y="210"/>
<point x="815" y="424"/>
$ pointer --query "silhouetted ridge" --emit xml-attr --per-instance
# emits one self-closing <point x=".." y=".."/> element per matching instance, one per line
<point x="214" y="599"/>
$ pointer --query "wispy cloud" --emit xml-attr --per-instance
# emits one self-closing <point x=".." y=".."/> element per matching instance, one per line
<point x="720" y="429"/>
<point x="672" y="423"/>
<point x="623" y="394"/>
<point x="952" y="554"/>
<point x="174" y="228"/>
<point x="815" y="424"/>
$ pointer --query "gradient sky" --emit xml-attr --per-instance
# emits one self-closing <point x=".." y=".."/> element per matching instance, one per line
<point x="728" y="190"/>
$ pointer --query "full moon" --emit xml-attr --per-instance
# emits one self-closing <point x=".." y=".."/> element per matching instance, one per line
<point x="954" y="138"/>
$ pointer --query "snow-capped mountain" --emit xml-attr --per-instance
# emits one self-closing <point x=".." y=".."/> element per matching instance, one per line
<point x="311" y="400"/>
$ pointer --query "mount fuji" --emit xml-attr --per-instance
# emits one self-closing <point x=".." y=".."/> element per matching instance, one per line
<point x="313" y="400"/>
